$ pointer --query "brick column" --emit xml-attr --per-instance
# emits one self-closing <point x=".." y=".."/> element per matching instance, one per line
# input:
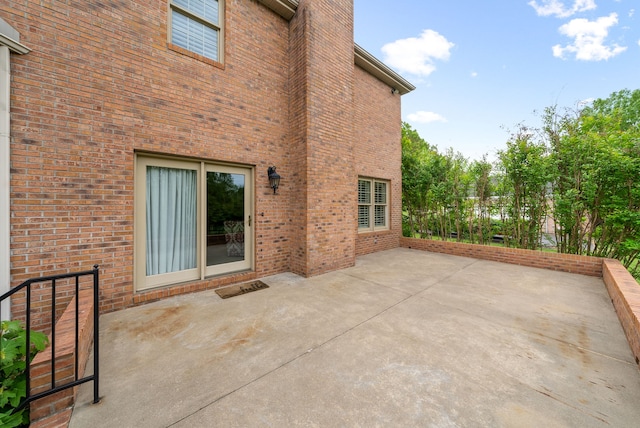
<point x="322" y="119"/>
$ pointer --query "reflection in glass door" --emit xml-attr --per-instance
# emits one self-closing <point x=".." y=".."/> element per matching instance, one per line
<point x="228" y="224"/>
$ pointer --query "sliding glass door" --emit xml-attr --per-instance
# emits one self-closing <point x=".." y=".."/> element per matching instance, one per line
<point x="192" y="220"/>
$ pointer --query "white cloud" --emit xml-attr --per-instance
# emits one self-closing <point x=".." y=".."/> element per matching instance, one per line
<point x="474" y="74"/>
<point x="557" y="8"/>
<point x="589" y="38"/>
<point x="426" y="117"/>
<point x="416" y="55"/>
<point x="631" y="13"/>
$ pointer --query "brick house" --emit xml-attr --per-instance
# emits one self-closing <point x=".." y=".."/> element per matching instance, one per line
<point x="139" y="135"/>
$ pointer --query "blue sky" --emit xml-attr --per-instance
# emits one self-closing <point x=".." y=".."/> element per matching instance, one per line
<point x="482" y="67"/>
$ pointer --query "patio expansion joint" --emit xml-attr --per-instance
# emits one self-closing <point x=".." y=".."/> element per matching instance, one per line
<point x="442" y="280"/>
<point x="452" y="274"/>
<point x="429" y="286"/>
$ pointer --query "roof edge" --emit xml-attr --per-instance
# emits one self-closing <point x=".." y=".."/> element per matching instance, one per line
<point x="375" y="67"/>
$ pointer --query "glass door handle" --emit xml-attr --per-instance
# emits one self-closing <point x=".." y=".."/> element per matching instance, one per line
<point x="249" y="221"/>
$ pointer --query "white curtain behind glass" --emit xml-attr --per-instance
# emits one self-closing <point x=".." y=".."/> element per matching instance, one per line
<point x="171" y="220"/>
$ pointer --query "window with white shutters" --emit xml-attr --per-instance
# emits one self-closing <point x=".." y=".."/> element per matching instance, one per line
<point x="373" y="208"/>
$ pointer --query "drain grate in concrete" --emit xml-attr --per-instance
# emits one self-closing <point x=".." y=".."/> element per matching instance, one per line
<point x="237" y="290"/>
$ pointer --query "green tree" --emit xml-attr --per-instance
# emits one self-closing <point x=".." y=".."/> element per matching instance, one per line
<point x="480" y="217"/>
<point x="460" y="185"/>
<point x="415" y="179"/>
<point x="596" y="157"/>
<point x="582" y="168"/>
<point x="525" y="179"/>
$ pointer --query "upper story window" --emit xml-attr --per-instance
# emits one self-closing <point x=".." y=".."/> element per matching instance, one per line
<point x="196" y="25"/>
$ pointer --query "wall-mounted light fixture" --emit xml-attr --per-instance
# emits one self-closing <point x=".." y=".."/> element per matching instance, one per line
<point x="274" y="178"/>
<point x="394" y="91"/>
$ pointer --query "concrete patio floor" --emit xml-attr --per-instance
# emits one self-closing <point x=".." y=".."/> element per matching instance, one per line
<point x="404" y="338"/>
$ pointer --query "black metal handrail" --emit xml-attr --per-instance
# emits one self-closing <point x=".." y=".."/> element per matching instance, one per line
<point x="96" y="309"/>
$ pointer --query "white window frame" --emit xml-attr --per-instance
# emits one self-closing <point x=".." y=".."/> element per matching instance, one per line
<point x="218" y="26"/>
<point x="371" y="204"/>
<point x="142" y="282"/>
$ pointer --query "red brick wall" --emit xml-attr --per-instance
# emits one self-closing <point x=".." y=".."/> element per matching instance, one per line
<point x="571" y="263"/>
<point x="378" y="153"/>
<point x="101" y="83"/>
<point x="625" y="295"/>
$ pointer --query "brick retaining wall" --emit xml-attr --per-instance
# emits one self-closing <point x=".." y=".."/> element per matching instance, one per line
<point x="625" y="295"/>
<point x="571" y="263"/>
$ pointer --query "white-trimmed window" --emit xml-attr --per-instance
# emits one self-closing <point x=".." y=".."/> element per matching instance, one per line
<point x="192" y="220"/>
<point x="196" y="25"/>
<point x="373" y="204"/>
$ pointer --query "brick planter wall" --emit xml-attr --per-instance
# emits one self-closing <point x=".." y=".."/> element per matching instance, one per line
<point x="570" y="263"/>
<point x="625" y="295"/>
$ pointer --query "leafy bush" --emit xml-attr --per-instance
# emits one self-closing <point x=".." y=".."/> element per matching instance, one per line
<point x="13" y="364"/>
<point x="579" y="169"/>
